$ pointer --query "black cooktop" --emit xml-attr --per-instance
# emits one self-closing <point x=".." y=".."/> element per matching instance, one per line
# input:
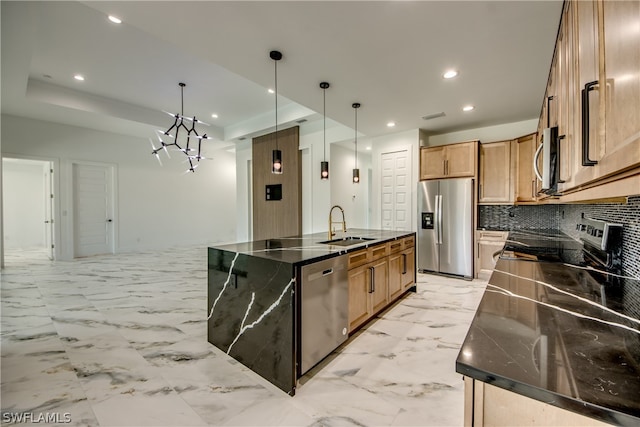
<point x="543" y="245"/>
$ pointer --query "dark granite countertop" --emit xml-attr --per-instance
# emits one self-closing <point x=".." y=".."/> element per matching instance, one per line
<point x="306" y="249"/>
<point x="559" y="333"/>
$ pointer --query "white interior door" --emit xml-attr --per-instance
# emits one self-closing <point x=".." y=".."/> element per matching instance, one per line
<point x="396" y="192"/>
<point x="93" y="209"/>
<point x="48" y="210"/>
<point x="386" y="197"/>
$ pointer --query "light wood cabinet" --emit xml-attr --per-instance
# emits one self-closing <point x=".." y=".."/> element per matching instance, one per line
<point x="488" y="243"/>
<point x="449" y="161"/>
<point x="377" y="276"/>
<point x="526" y="182"/>
<point x="488" y="405"/>
<point x="619" y="148"/>
<point x="496" y="182"/>
<point x="395" y="275"/>
<point x="595" y="83"/>
<point x="568" y="117"/>
<point x="402" y="267"/>
<point x="408" y="273"/>
<point x="359" y="300"/>
<point x="368" y="291"/>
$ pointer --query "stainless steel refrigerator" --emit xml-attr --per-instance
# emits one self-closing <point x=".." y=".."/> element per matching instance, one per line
<point x="445" y="231"/>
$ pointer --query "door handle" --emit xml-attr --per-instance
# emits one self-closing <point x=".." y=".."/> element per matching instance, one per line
<point x="588" y="87"/>
<point x="372" y="280"/>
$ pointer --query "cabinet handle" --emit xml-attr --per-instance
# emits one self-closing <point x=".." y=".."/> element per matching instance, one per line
<point x="560" y="138"/>
<point x="404" y="263"/>
<point x="481" y="191"/>
<point x="588" y="87"/>
<point x="372" y="280"/>
<point x="446" y="167"/>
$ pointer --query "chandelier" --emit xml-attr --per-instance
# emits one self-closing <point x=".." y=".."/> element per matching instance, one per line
<point x="194" y="155"/>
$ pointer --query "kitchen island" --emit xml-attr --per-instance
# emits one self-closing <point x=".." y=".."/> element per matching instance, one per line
<point x="552" y="342"/>
<point x="254" y="294"/>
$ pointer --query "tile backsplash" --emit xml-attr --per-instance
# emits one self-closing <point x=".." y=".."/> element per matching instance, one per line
<point x="565" y="217"/>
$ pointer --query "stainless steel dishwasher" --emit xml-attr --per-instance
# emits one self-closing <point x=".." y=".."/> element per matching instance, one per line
<point x="325" y="309"/>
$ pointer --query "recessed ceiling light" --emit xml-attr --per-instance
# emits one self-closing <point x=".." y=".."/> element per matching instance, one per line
<point x="468" y="108"/>
<point x="368" y="148"/>
<point x="271" y="90"/>
<point x="79" y="77"/>
<point x="115" y="19"/>
<point x="214" y="115"/>
<point x="391" y="124"/>
<point x="449" y="74"/>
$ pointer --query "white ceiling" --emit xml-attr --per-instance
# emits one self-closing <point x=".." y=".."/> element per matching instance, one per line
<point x="387" y="55"/>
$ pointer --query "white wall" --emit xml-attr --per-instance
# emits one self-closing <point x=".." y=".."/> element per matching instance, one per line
<point x="316" y="192"/>
<point x="243" y="191"/>
<point x="23" y="200"/>
<point x="157" y="207"/>
<point x="408" y="140"/>
<point x="353" y="198"/>
<point x="486" y="134"/>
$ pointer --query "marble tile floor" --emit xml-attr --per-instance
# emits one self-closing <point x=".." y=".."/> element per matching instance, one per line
<point x="120" y="340"/>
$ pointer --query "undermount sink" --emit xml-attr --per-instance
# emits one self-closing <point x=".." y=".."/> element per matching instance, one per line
<point x="347" y="241"/>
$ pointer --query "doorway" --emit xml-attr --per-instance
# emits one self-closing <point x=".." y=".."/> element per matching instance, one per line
<point x="93" y="209"/>
<point x="28" y="193"/>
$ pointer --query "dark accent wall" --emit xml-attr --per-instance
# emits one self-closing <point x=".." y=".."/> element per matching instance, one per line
<point x="565" y="217"/>
<point x="277" y="218"/>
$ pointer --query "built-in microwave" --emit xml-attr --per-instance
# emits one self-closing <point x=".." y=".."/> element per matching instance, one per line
<point x="550" y="161"/>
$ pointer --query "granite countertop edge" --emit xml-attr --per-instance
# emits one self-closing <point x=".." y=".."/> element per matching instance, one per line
<point x="307" y="249"/>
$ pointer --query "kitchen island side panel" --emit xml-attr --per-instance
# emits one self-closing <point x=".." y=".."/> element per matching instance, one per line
<point x="250" y="309"/>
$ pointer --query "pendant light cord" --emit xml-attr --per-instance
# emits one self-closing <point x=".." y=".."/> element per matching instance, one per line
<point x="324" y="124"/>
<point x="276" y="95"/>
<point x="182" y="85"/>
<point x="356" y="136"/>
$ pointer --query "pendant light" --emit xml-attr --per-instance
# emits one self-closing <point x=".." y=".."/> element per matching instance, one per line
<point x="356" y="171"/>
<point x="276" y="155"/>
<point x="324" y="164"/>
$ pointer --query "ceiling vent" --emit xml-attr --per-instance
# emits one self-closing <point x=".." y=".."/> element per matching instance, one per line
<point x="433" y="116"/>
<point x="242" y="138"/>
<point x="301" y="121"/>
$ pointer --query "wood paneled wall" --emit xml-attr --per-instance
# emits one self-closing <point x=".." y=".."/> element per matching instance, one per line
<point x="277" y="218"/>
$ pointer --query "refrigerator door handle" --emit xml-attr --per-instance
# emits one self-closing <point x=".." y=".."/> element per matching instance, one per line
<point x="436" y="220"/>
<point x="439" y="226"/>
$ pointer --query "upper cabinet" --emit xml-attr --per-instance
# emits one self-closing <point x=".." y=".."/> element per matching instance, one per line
<point x="593" y="95"/>
<point x="496" y="182"/>
<point x="449" y="161"/>
<point x="526" y="182"/>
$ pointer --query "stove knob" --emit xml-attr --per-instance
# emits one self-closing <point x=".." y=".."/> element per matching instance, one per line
<point x="599" y="233"/>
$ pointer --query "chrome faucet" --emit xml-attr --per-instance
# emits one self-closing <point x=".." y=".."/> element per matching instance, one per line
<point x="344" y="224"/>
